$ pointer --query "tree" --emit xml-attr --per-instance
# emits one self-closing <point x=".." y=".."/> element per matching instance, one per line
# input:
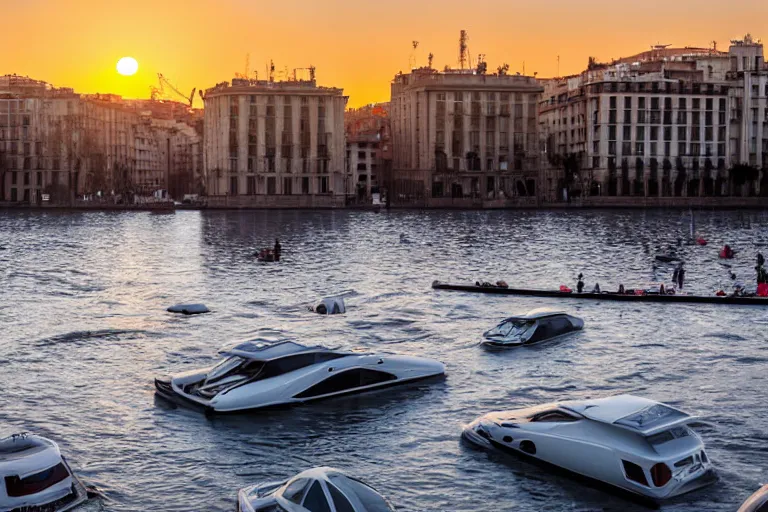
<point x="503" y="69"/>
<point x="743" y="173"/>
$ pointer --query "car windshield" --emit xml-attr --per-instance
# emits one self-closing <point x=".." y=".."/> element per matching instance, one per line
<point x="368" y="498"/>
<point x="509" y="329"/>
<point x="224" y="367"/>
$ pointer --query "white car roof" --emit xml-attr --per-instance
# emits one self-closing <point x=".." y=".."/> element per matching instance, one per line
<point x="261" y="350"/>
<point x="635" y="413"/>
<point x="535" y="314"/>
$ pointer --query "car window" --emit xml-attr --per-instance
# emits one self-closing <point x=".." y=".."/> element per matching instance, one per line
<point x="555" y="416"/>
<point x="345" y="380"/>
<point x="315" y="501"/>
<point x="295" y="490"/>
<point x="366" y="495"/>
<point x="341" y="503"/>
<point x="17" y="487"/>
<point x="559" y="325"/>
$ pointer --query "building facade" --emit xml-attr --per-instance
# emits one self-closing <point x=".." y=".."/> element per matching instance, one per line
<point x="369" y="146"/>
<point x="665" y="123"/>
<point x="265" y="138"/>
<point x="59" y="145"/>
<point x="473" y="135"/>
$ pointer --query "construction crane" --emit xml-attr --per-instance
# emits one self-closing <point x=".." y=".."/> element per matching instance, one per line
<point x="165" y="83"/>
<point x="247" y="68"/>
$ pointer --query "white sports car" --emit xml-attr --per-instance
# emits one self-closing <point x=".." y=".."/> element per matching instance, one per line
<point x="35" y="477"/>
<point x="314" y="490"/>
<point x="631" y="443"/>
<point x="257" y="375"/>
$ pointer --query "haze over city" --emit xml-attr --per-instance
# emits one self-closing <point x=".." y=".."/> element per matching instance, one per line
<point x="357" y="46"/>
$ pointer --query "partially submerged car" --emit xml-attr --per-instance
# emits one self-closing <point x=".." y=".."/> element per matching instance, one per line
<point x="34" y="476"/>
<point x="257" y="375"/>
<point x="534" y="327"/>
<point x="314" y="490"/>
<point x="634" y="444"/>
<point x="758" y="502"/>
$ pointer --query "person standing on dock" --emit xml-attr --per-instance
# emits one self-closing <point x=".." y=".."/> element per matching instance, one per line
<point x="680" y="276"/>
<point x="580" y="284"/>
<point x="278" y="249"/>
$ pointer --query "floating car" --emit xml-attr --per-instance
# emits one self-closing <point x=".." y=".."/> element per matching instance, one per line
<point x="634" y="444"/>
<point x="256" y="375"/>
<point x="314" y="490"/>
<point x="35" y="477"/>
<point x="758" y="502"/>
<point x="534" y="327"/>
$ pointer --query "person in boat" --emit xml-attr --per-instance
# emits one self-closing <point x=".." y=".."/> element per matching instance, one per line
<point x="760" y="260"/>
<point x="621" y="289"/>
<point x="277" y="250"/>
<point x="762" y="275"/>
<point x="727" y="252"/>
<point x="596" y="289"/>
<point x="680" y="277"/>
<point x="662" y="291"/>
<point x="676" y="273"/>
<point x="580" y="283"/>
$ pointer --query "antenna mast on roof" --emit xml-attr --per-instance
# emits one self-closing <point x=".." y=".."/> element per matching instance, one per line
<point x="463" y="38"/>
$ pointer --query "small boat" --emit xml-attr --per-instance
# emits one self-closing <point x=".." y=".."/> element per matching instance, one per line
<point x="34" y="476"/>
<point x="758" y="502"/>
<point x="534" y="327"/>
<point x="318" y="489"/>
<point x="637" y="296"/>
<point x="258" y="375"/>
<point x="629" y="443"/>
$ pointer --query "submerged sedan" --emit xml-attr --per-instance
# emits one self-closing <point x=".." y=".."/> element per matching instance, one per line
<point x="257" y="375"/>
<point x="634" y="444"/>
<point x="534" y="327"/>
<point x="314" y="490"/>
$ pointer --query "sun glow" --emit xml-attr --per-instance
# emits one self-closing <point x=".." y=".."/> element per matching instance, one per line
<point x="127" y="66"/>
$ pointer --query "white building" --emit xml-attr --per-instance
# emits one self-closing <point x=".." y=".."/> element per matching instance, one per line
<point x="274" y="138"/>
<point x="667" y="122"/>
<point x="476" y="134"/>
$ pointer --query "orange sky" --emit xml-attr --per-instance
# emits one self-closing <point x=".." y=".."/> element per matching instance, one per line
<point x="355" y="44"/>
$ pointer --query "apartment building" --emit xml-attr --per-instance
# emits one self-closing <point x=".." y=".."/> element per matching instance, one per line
<point x="369" y="147"/>
<point x="472" y="135"/>
<point x="667" y="122"/>
<point x="58" y="145"/>
<point x="274" y="138"/>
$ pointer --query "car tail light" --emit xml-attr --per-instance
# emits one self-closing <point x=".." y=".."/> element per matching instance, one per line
<point x="661" y="474"/>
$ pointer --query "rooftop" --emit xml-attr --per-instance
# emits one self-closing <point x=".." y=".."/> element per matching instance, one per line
<point x="252" y="86"/>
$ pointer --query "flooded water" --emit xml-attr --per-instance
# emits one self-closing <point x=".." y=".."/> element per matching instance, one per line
<point x="84" y="331"/>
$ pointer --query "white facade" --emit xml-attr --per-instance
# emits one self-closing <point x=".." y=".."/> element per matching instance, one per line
<point x="479" y="131"/>
<point x="274" y="138"/>
<point x="667" y="125"/>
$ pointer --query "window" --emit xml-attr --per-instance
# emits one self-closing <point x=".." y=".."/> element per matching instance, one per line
<point x="361" y="155"/>
<point x="627" y="132"/>
<point x="17" y="487"/>
<point x="369" y="498"/>
<point x="346" y="380"/>
<point x="295" y="490"/>
<point x="322" y="184"/>
<point x="287" y="186"/>
<point x="362" y="167"/>
<point x="251" y="181"/>
<point x="555" y="416"/>
<point x="681" y="133"/>
<point x="315" y="501"/>
<point x="340" y="502"/>
<point x="233" y="186"/>
<point x="612" y="101"/>
<point x="634" y="473"/>
<point x="271" y="185"/>
<point x="305" y="185"/>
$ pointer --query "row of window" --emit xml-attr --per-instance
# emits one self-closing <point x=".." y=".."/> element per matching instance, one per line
<point x="683" y="149"/>
<point x="287" y="190"/>
<point x="654" y="133"/>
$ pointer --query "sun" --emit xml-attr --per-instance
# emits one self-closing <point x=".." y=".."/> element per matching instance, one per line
<point x="127" y="66"/>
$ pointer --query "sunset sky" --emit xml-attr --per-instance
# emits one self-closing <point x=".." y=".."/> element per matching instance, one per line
<point x="355" y="44"/>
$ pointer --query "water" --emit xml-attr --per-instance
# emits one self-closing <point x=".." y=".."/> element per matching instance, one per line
<point x="84" y="332"/>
